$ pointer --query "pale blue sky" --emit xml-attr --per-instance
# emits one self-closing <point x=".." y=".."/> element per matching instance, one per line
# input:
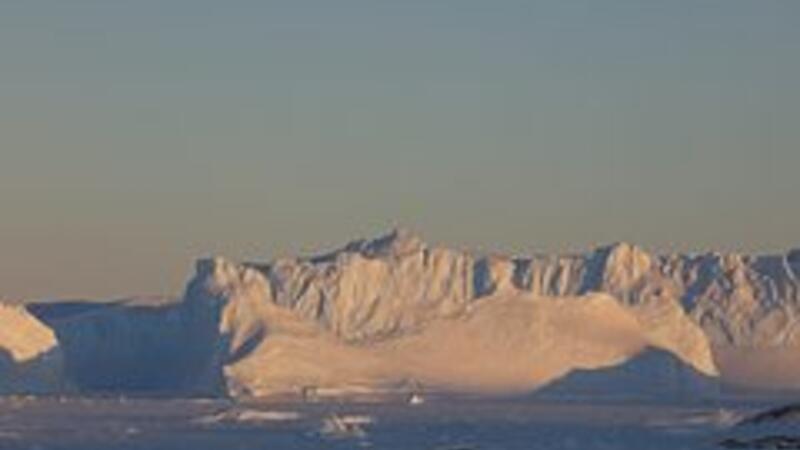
<point x="136" y="136"/>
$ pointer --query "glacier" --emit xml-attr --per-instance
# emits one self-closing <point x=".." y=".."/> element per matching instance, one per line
<point x="397" y="313"/>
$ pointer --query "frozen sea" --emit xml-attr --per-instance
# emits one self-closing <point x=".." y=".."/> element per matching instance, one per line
<point x="391" y="424"/>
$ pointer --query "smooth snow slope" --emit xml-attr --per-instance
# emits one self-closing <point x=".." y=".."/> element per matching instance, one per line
<point x="502" y="344"/>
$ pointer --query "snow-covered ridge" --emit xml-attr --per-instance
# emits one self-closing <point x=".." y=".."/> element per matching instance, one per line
<point x="373" y="288"/>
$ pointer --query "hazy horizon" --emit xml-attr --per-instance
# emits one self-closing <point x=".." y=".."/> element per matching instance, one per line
<point x="139" y="136"/>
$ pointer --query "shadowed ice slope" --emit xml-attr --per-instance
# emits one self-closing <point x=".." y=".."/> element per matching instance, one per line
<point x="652" y="375"/>
<point x="133" y="345"/>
